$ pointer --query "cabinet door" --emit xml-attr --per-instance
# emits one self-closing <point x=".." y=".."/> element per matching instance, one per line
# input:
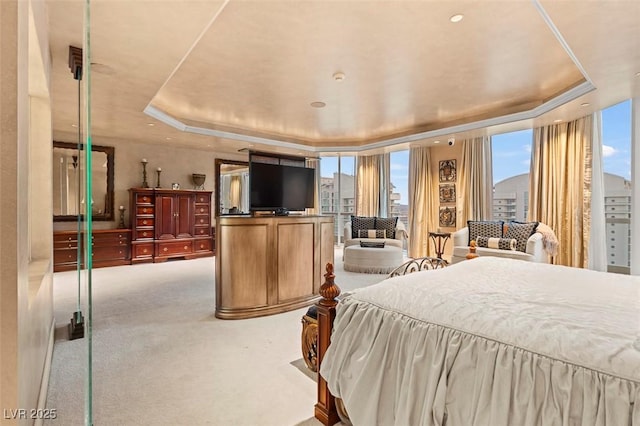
<point x="166" y="212"/>
<point x="185" y="216"/>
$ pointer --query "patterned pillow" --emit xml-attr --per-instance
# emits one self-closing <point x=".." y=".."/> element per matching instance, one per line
<point x="372" y="233"/>
<point x="484" y="228"/>
<point x="521" y="231"/>
<point x="388" y="224"/>
<point x="361" y="222"/>
<point x="497" y="243"/>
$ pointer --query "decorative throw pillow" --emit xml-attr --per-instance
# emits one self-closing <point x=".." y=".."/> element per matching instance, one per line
<point x="484" y="228"/>
<point x="372" y="233"/>
<point x="497" y="243"/>
<point x="388" y="224"/>
<point x="361" y="222"/>
<point x="521" y="231"/>
<point x="372" y="244"/>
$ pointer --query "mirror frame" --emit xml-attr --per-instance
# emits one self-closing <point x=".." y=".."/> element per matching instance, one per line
<point x="108" y="214"/>
<point x="218" y="163"/>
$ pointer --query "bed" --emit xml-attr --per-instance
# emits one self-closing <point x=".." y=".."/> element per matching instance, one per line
<point x="489" y="341"/>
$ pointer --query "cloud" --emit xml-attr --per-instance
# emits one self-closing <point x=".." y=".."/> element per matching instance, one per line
<point x="608" y="151"/>
<point x="527" y="148"/>
<point x="398" y="167"/>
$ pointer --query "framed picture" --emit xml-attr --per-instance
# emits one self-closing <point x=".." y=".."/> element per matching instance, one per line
<point x="447" y="216"/>
<point x="448" y="171"/>
<point x="448" y="193"/>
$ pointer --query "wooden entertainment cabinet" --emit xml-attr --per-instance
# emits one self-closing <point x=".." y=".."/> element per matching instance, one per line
<point x="169" y="223"/>
<point x="270" y="264"/>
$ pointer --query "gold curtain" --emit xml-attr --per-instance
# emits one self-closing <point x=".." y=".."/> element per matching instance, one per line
<point x="314" y="163"/>
<point x="475" y="181"/>
<point x="424" y="205"/>
<point x="235" y="191"/>
<point x="368" y="178"/>
<point x="560" y="186"/>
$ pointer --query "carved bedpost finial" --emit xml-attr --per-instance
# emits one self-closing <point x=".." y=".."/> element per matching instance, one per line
<point x="329" y="290"/>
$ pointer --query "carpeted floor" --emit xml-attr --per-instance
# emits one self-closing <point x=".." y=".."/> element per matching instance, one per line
<point x="160" y="357"/>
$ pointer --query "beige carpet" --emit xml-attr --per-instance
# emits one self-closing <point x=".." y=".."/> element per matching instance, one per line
<point x="160" y="357"/>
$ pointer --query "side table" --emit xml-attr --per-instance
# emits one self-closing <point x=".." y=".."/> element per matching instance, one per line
<point x="439" y="242"/>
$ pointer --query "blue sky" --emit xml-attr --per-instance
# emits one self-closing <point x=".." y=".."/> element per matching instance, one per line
<point x="512" y="152"/>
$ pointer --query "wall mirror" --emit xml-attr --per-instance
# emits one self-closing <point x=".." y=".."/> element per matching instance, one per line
<point x="232" y="187"/>
<point x="68" y="187"/>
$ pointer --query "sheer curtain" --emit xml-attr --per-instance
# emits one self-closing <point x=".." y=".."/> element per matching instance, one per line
<point x="597" y="259"/>
<point x="560" y="186"/>
<point x="372" y="176"/>
<point x="475" y="184"/>
<point x="424" y="201"/>
<point x="314" y="163"/>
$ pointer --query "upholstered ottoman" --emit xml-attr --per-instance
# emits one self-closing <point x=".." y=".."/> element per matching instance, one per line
<point x="372" y="260"/>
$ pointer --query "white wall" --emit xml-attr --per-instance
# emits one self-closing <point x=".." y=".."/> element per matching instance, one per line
<point x="26" y="302"/>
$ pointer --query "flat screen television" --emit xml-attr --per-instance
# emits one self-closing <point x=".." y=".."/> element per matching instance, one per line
<point x="277" y="187"/>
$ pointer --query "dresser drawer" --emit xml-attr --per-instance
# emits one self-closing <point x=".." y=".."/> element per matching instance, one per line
<point x="65" y="244"/>
<point x="203" y="245"/>
<point x="172" y="248"/>
<point x="144" y="199"/>
<point x="202" y="231"/>
<point x="142" y="250"/>
<point x="202" y="209"/>
<point x="203" y="198"/>
<point x="202" y="220"/>
<point x="145" y="210"/>
<point x="65" y="237"/>
<point x="61" y="256"/>
<point x="109" y="253"/>
<point x="143" y="234"/>
<point x="144" y="221"/>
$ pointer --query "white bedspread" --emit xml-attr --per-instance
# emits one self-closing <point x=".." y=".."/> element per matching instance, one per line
<point x="491" y="341"/>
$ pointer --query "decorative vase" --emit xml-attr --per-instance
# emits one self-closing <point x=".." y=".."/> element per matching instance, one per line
<point x="198" y="180"/>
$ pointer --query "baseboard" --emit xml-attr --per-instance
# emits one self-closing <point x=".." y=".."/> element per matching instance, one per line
<point x="46" y="372"/>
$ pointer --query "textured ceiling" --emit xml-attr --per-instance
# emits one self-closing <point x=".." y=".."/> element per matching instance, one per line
<point x="225" y="75"/>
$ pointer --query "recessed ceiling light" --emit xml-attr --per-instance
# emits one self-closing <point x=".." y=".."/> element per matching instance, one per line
<point x="74" y="125"/>
<point x="436" y="141"/>
<point x="557" y="120"/>
<point x="168" y="138"/>
<point x="456" y="18"/>
<point x="585" y="104"/>
<point x="318" y="104"/>
<point x="150" y="124"/>
<point x="339" y="76"/>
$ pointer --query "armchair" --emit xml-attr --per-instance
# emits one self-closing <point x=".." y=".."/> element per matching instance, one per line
<point x="397" y="241"/>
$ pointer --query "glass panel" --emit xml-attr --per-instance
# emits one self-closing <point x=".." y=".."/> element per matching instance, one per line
<point x="400" y="186"/>
<point x="347" y="199"/>
<point x="511" y="154"/>
<point x="616" y="152"/>
<point x="329" y="201"/>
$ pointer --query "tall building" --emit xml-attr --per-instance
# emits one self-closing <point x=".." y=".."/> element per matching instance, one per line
<point x="511" y="202"/>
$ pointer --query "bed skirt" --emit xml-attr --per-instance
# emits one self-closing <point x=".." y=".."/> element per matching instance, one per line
<point x="419" y="373"/>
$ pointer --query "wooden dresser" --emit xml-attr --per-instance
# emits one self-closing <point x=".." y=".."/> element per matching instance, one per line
<point x="110" y="247"/>
<point x="170" y="223"/>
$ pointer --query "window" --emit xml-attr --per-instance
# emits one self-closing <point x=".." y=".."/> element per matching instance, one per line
<point x="338" y="188"/>
<point x="616" y="159"/>
<point x="511" y="154"/>
<point x="399" y="188"/>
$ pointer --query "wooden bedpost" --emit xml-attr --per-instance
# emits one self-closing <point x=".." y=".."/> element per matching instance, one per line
<point x="325" y="409"/>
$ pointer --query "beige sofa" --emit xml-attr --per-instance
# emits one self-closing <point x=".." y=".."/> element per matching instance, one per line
<point x="534" y="253"/>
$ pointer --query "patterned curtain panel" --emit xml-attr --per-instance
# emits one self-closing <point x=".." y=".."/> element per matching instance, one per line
<point x="475" y="185"/>
<point x="424" y="196"/>
<point x="560" y="186"/>
<point x="372" y="177"/>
